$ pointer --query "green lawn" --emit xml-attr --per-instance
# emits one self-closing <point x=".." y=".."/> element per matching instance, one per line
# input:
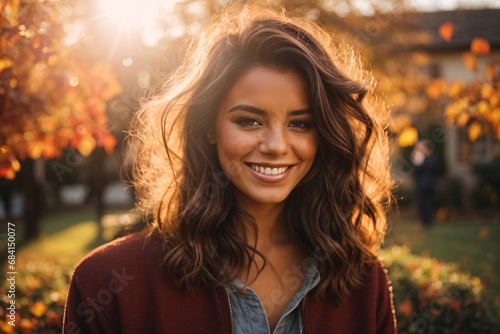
<point x="66" y="237"/>
<point x="473" y="245"/>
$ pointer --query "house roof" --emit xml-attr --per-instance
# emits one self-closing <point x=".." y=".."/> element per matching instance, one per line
<point x="468" y="24"/>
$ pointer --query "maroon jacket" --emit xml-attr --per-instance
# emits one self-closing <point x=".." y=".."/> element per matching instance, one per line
<point x="121" y="288"/>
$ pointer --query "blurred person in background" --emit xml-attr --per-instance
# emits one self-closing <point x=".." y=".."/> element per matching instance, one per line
<point x="425" y="162"/>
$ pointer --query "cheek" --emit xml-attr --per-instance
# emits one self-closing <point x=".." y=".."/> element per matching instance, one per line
<point x="232" y="147"/>
<point x="233" y="143"/>
<point x="307" y="147"/>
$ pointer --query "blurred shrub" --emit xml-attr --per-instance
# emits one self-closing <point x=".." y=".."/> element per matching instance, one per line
<point x="433" y="297"/>
<point x="487" y="193"/>
<point x="41" y="291"/>
<point x="429" y="297"/>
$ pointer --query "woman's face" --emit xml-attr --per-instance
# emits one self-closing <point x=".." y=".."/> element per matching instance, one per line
<point x="265" y="135"/>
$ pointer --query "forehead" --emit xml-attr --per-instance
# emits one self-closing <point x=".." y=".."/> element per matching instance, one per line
<point x="263" y="86"/>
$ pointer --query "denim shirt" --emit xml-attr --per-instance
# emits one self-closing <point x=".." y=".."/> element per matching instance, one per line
<point x="249" y="316"/>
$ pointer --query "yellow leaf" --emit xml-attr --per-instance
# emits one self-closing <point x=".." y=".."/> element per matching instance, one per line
<point x="455" y="89"/>
<point x="35" y="150"/>
<point x="474" y="131"/>
<point x="483" y="107"/>
<point x="399" y="122"/>
<point x="480" y="46"/>
<point x="486" y="91"/>
<point x="16" y="166"/>
<point x="86" y="146"/>
<point x="469" y="61"/>
<point x="451" y="112"/>
<point x="5" y="63"/>
<point x="38" y="309"/>
<point x="463" y="119"/>
<point x="446" y="30"/>
<point x="11" y="12"/>
<point x="408" y="137"/>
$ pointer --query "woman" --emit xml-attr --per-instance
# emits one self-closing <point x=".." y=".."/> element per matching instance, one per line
<point x="264" y="166"/>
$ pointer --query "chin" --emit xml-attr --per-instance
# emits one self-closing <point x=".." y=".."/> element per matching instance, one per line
<point x="269" y="198"/>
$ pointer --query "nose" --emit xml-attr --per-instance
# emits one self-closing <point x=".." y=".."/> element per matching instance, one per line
<point x="274" y="141"/>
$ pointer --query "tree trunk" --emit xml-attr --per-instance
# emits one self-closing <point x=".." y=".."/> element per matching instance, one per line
<point x="33" y="199"/>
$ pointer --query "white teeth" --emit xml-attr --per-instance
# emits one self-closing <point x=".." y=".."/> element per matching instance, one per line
<point x="269" y="170"/>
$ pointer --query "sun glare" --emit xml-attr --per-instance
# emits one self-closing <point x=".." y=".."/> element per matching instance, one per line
<point x="145" y="17"/>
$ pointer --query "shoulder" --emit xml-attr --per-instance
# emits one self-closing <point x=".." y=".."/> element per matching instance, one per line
<point x="376" y="274"/>
<point x="119" y="285"/>
<point x="124" y="260"/>
<point x="131" y="249"/>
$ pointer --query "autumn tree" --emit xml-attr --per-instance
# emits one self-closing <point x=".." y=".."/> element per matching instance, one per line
<point x="53" y="92"/>
<point x="472" y="105"/>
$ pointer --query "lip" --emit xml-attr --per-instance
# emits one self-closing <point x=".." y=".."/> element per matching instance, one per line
<point x="269" y="178"/>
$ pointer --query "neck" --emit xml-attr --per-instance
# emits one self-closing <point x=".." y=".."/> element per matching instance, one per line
<point x="270" y="221"/>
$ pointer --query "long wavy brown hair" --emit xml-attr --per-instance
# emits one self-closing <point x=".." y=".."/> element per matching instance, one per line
<point x="338" y="210"/>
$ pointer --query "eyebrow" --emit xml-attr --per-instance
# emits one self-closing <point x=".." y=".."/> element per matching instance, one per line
<point x="262" y="112"/>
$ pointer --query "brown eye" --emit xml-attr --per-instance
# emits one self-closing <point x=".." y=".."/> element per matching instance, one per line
<point x="247" y="122"/>
<point x="301" y="124"/>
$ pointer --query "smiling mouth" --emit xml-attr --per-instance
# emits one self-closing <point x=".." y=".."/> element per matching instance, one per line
<point x="269" y="170"/>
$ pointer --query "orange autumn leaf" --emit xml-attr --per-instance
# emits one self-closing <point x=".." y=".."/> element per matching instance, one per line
<point x="480" y="46"/>
<point x="109" y="142"/>
<point x="446" y="30"/>
<point x="436" y="88"/>
<point x="26" y="325"/>
<point x="6" y="328"/>
<point x="405" y="307"/>
<point x="38" y="308"/>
